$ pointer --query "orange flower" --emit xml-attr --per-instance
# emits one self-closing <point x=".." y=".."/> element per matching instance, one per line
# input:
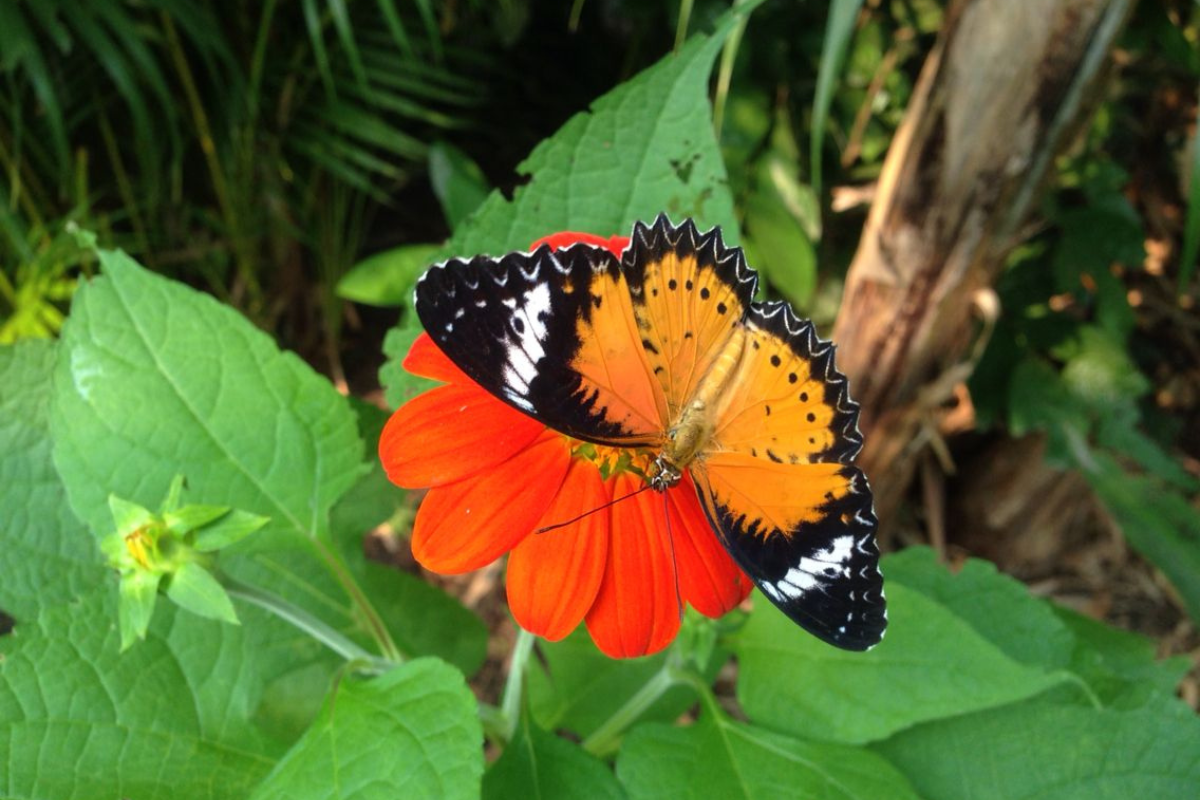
<point x="495" y="476"/>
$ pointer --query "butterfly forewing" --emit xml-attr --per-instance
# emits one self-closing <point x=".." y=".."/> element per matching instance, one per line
<point x="551" y="333"/>
<point x="690" y="292"/>
<point x="805" y="534"/>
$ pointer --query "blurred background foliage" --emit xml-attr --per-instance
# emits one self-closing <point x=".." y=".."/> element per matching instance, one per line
<point x="302" y="161"/>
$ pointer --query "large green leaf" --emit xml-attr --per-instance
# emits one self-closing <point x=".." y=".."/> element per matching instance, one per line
<point x="718" y="757"/>
<point x="1047" y="751"/>
<point x="156" y="380"/>
<point x="412" y="732"/>
<point x="933" y="663"/>
<point x="1117" y="663"/>
<point x="46" y="556"/>
<point x="168" y="719"/>
<point x="539" y="765"/>
<point x="645" y="147"/>
<point x="998" y="607"/>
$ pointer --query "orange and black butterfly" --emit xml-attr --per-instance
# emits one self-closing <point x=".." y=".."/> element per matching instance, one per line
<point x="666" y="350"/>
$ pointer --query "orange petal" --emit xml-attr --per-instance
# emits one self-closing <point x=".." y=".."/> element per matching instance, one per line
<point x="469" y="524"/>
<point x="559" y="241"/>
<point x="450" y="433"/>
<point x="553" y="577"/>
<point x="709" y="580"/>
<point x="637" y="610"/>
<point x="426" y="359"/>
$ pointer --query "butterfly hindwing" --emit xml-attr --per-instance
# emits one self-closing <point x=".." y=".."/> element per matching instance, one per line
<point x="805" y="534"/>
<point x="553" y="334"/>
<point x="690" y="292"/>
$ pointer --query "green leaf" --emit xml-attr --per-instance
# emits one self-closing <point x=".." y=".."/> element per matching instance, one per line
<point x="138" y="595"/>
<point x="189" y="518"/>
<point x="839" y="29"/>
<point x="458" y="182"/>
<point x="1046" y="751"/>
<point x="998" y="607"/>
<point x="227" y="530"/>
<point x="127" y="516"/>
<point x="46" y="557"/>
<point x="1115" y="662"/>
<point x="1099" y="370"/>
<point x="156" y="380"/>
<point x="932" y="663"/>
<point x="777" y="245"/>
<point x="645" y="147"/>
<point x="168" y="719"/>
<point x="387" y="278"/>
<point x="541" y="765"/>
<point x="722" y="758"/>
<point x="194" y="588"/>
<point x="1159" y="522"/>
<point x="399" y="385"/>
<point x="413" y="732"/>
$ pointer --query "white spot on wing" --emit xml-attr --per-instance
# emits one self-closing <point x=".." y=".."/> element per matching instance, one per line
<point x="814" y="572"/>
<point x="524" y="352"/>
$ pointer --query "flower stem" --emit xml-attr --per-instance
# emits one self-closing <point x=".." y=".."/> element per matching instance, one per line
<point x="510" y="705"/>
<point x="604" y="739"/>
<point x="306" y="622"/>
<point x="375" y="623"/>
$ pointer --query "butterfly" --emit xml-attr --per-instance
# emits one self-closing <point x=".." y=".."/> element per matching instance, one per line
<point x="665" y="349"/>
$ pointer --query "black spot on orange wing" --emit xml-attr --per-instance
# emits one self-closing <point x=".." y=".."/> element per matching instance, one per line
<point x="685" y="330"/>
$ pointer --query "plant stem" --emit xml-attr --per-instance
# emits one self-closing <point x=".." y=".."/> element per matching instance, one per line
<point x="306" y="622"/>
<point x="375" y="624"/>
<point x="604" y="739"/>
<point x="510" y="705"/>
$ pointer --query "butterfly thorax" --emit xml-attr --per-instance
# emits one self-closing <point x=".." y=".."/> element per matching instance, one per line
<point x="693" y="431"/>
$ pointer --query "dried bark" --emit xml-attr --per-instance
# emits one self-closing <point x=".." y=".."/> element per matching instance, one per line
<point x="1004" y="91"/>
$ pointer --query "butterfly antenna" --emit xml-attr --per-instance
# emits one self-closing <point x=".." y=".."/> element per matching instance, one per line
<point x="674" y="561"/>
<point x="593" y="511"/>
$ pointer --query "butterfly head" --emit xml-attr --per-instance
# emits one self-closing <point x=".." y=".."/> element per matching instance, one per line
<point x="665" y="475"/>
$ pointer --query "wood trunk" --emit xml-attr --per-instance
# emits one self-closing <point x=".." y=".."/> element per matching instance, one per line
<point x="1005" y="89"/>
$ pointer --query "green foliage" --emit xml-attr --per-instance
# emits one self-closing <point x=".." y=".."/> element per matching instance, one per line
<point x="536" y="763"/>
<point x="720" y="757"/>
<point x="348" y="678"/>
<point x="655" y="127"/>
<point x="234" y="142"/>
<point x="424" y="713"/>
<point x="1070" y="373"/>
<point x="48" y="556"/>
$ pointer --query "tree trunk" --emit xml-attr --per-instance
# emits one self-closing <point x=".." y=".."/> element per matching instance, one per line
<point x="1005" y="89"/>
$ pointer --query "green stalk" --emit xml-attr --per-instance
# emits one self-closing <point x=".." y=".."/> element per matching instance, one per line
<point x="604" y="739"/>
<point x="510" y="705"/>
<point x="306" y="622"/>
<point x="681" y="27"/>
<point x="725" y="71"/>
<point x="375" y="624"/>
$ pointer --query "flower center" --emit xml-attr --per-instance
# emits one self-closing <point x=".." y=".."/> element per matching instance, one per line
<point x="613" y="460"/>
